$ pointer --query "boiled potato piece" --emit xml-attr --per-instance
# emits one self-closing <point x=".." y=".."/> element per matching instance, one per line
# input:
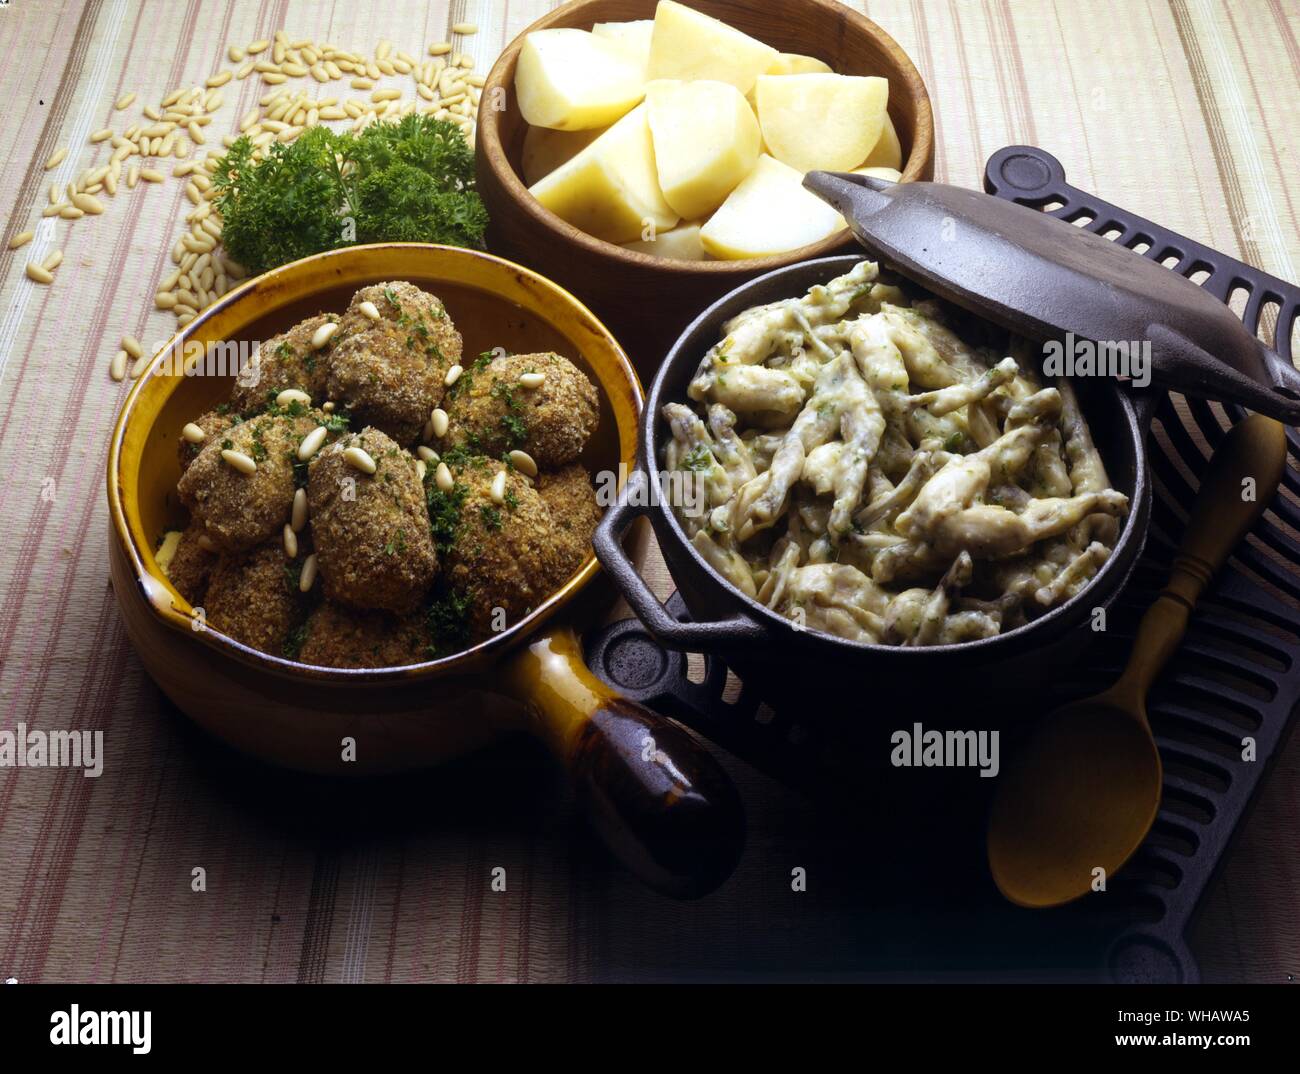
<point x="610" y="190"/>
<point x="688" y="44"/>
<point x="794" y="63"/>
<point x="892" y="174"/>
<point x="769" y="213"/>
<point x="706" y="141"/>
<point x="572" y="80"/>
<point x="821" y="121"/>
<point x="545" y="149"/>
<point x="634" y="36"/>
<point x="888" y="152"/>
<point x="682" y="243"/>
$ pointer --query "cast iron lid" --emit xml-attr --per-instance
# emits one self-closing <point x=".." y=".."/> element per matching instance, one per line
<point x="1043" y="278"/>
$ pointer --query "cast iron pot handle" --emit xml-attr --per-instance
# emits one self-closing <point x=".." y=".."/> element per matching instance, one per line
<point x="720" y="636"/>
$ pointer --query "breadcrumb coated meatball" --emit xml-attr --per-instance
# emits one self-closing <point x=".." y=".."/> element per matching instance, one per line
<point x="286" y="361"/>
<point x="371" y="531"/>
<point x="253" y="599"/>
<point x="236" y="510"/>
<point x="502" y="555"/>
<point x="338" y="637"/>
<point x="191" y="565"/>
<point x="214" y="423"/>
<point x="568" y="495"/>
<point x="390" y="373"/>
<point x="492" y="412"/>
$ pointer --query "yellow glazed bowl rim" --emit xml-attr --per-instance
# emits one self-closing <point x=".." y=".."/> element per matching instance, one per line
<point x="609" y="365"/>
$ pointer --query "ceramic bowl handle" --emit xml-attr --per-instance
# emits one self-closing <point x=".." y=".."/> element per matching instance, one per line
<point x="657" y="799"/>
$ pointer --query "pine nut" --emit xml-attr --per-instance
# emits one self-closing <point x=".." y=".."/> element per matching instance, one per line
<point x="56" y="158"/>
<point x="368" y="308"/>
<point x="523" y="462"/>
<point x="53" y="261"/>
<point x="465" y="29"/>
<point x="531" y="380"/>
<point x="311" y="443"/>
<point x="71" y="212"/>
<point x="101" y="135"/>
<point x="443" y="479"/>
<point x="290" y="541"/>
<point x="218" y="80"/>
<point x="117" y="368"/>
<point x="440" y="48"/>
<point x="193" y="434"/>
<point x="257" y="46"/>
<point x="438" y="422"/>
<point x="498" y="489"/>
<point x="38" y="273"/>
<point x="125" y="101"/>
<point x="132" y="347"/>
<point x="308" y="575"/>
<point x="24" y="237"/>
<point x="323" y="334"/>
<point x="138" y="367"/>
<point x="427" y="454"/>
<point x="298" y="517"/>
<point x="359" y="459"/>
<point x="88" y="204"/>
<point x="421" y="468"/>
<point x="151" y="175"/>
<point x="239" y="461"/>
<point x="291" y="395"/>
<point x="453" y="375"/>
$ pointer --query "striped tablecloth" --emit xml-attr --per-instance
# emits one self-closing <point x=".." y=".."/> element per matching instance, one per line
<point x="1186" y="111"/>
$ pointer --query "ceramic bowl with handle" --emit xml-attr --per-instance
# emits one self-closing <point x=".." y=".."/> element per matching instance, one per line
<point x="657" y="798"/>
<point x="648" y="300"/>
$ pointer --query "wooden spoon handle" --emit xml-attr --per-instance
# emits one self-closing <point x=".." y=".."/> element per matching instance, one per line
<point x="1237" y="487"/>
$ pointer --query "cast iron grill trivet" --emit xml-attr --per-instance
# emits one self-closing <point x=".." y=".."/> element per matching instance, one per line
<point x="1232" y="678"/>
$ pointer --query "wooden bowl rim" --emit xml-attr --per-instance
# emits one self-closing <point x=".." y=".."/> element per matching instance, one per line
<point x="166" y="605"/>
<point x="920" y="157"/>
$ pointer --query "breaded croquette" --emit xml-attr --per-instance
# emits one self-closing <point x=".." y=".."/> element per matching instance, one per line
<point x="286" y="361"/>
<point x="575" y="514"/>
<point x="338" y="637"/>
<point x="213" y="424"/>
<point x="237" y="510"/>
<point x="191" y="566"/>
<point x="499" y="406"/>
<point x="254" y="598"/>
<point x="373" y="546"/>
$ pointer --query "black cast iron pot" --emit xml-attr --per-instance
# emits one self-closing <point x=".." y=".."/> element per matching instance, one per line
<point x="824" y="676"/>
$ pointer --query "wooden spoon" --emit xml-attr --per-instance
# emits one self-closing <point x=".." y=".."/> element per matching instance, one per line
<point x="1084" y="791"/>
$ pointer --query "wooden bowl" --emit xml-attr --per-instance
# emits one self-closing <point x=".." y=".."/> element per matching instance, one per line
<point x="647" y="300"/>
<point x="655" y="813"/>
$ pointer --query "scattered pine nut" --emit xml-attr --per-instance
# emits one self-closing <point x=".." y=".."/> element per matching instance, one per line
<point x="53" y="261"/>
<point x="438" y="422"/>
<point x="192" y="433"/>
<point x="151" y="175"/>
<point x="427" y="454"/>
<point x="117" y="368"/>
<point x="369" y="309"/>
<point x="443" y="479"/>
<point x="308" y="575"/>
<point x="88" y="204"/>
<point x="260" y="45"/>
<point x="56" y="158"/>
<point x="465" y="29"/>
<point x="298" y="516"/>
<point x="218" y="80"/>
<point x="323" y="334"/>
<point x="498" y="488"/>
<point x="523" y="462"/>
<point x="440" y="48"/>
<point x="290" y="541"/>
<point x="238" y="461"/>
<point x="139" y="366"/>
<point x="359" y="459"/>
<point x="531" y="380"/>
<point x="421" y="468"/>
<point x="132" y="347"/>
<point x="235" y="53"/>
<point x="39" y="273"/>
<point x="102" y="135"/>
<point x="311" y="443"/>
<point x="124" y="102"/>
<point x="24" y="237"/>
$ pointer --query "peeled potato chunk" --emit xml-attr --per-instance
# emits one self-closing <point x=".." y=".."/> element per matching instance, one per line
<point x="610" y="189"/>
<point x="573" y="80"/>
<point x="681" y="243"/>
<point x="888" y="152"/>
<point x="821" y="121"/>
<point x="795" y="63"/>
<point x="706" y="141"/>
<point x="688" y="44"/>
<point x="892" y="174"/>
<point x="769" y="213"/>
<point x="546" y="149"/>
<point x="633" y="36"/>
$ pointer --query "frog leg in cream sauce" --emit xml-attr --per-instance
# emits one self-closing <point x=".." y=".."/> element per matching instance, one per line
<point x="824" y="594"/>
